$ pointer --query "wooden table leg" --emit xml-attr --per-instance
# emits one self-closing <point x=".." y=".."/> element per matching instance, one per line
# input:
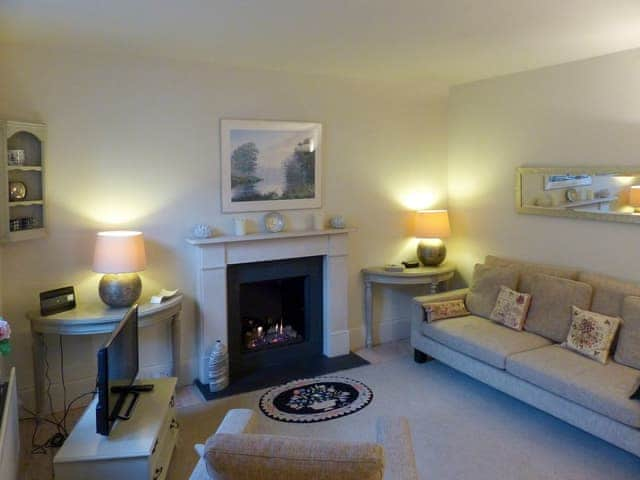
<point x="176" y="337"/>
<point x="368" y="314"/>
<point x="37" y="350"/>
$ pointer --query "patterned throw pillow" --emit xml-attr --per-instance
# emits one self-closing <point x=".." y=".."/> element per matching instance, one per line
<point x="441" y="310"/>
<point x="511" y="308"/>
<point x="591" y="334"/>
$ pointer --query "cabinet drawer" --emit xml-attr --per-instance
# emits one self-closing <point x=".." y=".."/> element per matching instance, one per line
<point x="163" y="448"/>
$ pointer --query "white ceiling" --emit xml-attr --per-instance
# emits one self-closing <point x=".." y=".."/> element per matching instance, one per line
<point x="449" y="41"/>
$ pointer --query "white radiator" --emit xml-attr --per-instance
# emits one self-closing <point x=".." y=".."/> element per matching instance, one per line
<point x="9" y="433"/>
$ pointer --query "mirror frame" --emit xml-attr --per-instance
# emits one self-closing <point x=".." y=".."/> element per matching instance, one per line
<point x="625" y="171"/>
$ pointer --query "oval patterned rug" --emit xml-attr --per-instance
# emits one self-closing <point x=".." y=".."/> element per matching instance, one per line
<point x="315" y="399"/>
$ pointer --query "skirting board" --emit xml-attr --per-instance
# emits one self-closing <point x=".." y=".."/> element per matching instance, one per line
<point x="388" y="331"/>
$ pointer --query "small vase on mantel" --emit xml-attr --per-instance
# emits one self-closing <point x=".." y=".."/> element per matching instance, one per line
<point x="218" y="368"/>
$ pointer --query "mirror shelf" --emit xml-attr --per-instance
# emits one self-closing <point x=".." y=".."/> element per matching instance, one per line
<point x="593" y="193"/>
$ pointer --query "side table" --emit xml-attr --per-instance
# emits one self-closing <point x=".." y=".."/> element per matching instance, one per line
<point x="92" y="319"/>
<point x="430" y="276"/>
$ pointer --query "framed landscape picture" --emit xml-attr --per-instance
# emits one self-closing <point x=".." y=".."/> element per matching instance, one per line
<point x="268" y="165"/>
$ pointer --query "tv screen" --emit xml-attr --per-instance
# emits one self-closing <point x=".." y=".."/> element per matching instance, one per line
<point x="117" y="367"/>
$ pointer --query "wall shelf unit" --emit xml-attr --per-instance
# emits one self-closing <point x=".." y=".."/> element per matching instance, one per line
<point x="23" y="148"/>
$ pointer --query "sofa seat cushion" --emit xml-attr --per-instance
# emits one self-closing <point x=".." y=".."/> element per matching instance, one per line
<point x="602" y="388"/>
<point x="482" y="339"/>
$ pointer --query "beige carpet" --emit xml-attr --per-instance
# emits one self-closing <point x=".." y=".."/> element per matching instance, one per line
<point x="461" y="429"/>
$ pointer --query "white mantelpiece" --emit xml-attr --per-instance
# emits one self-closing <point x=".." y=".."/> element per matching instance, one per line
<point x="214" y="254"/>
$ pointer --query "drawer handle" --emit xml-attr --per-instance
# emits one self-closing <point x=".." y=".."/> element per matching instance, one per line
<point x="174" y="424"/>
<point x="155" y="445"/>
<point x="156" y="476"/>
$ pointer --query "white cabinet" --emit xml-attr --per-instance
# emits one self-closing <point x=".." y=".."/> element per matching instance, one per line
<point x="9" y="433"/>
<point x="139" y="448"/>
<point x="22" y="214"/>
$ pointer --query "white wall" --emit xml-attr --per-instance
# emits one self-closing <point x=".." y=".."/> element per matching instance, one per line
<point x="133" y="143"/>
<point x="582" y="113"/>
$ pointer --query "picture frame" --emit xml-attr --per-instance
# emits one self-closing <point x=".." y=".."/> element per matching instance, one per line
<point x="270" y="165"/>
<point x="553" y="182"/>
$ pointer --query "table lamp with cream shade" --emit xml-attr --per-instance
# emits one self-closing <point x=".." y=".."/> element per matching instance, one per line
<point x="119" y="255"/>
<point x="431" y="226"/>
<point x="634" y="197"/>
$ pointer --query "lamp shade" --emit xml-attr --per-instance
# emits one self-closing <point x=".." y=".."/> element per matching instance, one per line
<point x="119" y="252"/>
<point x="432" y="224"/>
<point x="634" y="196"/>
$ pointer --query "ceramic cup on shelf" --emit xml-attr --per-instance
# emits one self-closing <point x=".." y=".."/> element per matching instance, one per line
<point x="337" y="222"/>
<point x="318" y="221"/>
<point x="240" y="226"/>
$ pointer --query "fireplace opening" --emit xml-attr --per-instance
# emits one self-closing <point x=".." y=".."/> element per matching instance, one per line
<point x="274" y="313"/>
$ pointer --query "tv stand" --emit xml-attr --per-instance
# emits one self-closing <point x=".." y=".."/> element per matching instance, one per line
<point x="138" y="448"/>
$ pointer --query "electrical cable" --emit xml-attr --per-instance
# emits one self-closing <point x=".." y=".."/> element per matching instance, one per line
<point x="58" y="438"/>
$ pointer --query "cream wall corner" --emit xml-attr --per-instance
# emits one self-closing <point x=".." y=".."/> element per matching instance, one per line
<point x="134" y="143"/>
<point x="580" y="113"/>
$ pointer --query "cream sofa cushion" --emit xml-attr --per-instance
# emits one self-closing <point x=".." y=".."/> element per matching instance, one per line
<point x="628" y="349"/>
<point x="270" y="457"/>
<point x="485" y="287"/>
<point x="482" y="339"/>
<point x="527" y="269"/>
<point x="551" y="302"/>
<point x="608" y="293"/>
<point x="603" y="388"/>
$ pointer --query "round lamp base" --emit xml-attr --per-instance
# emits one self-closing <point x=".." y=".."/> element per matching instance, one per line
<point x="431" y="252"/>
<point x="120" y="290"/>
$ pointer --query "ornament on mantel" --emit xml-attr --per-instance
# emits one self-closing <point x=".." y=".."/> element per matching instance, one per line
<point x="218" y="368"/>
<point x="202" y="230"/>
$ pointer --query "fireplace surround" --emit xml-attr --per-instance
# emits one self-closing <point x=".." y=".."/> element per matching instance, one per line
<point x="215" y="257"/>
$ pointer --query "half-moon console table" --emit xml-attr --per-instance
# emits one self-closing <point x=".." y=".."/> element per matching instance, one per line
<point x="430" y="276"/>
<point x="94" y="319"/>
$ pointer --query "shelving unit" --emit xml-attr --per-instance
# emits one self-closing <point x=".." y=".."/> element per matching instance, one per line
<point x="23" y="219"/>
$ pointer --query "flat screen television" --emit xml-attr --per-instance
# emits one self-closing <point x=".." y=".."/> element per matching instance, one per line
<point x="117" y="370"/>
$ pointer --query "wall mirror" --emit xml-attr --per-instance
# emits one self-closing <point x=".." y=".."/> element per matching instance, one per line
<point x="595" y="193"/>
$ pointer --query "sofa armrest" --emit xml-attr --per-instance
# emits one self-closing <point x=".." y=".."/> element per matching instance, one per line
<point x="237" y="420"/>
<point x="394" y="435"/>
<point x="458" y="294"/>
<point x="418" y="304"/>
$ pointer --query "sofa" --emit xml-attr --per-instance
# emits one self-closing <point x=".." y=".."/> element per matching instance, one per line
<point x="533" y="365"/>
<point x="236" y="451"/>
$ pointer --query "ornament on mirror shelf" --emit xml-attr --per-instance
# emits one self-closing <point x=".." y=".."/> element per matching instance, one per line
<point x="202" y="230"/>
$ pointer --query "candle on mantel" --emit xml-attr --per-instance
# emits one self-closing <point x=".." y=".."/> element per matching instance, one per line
<point x="259" y="331"/>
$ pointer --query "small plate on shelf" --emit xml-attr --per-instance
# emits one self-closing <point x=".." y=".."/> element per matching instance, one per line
<point x="274" y="222"/>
